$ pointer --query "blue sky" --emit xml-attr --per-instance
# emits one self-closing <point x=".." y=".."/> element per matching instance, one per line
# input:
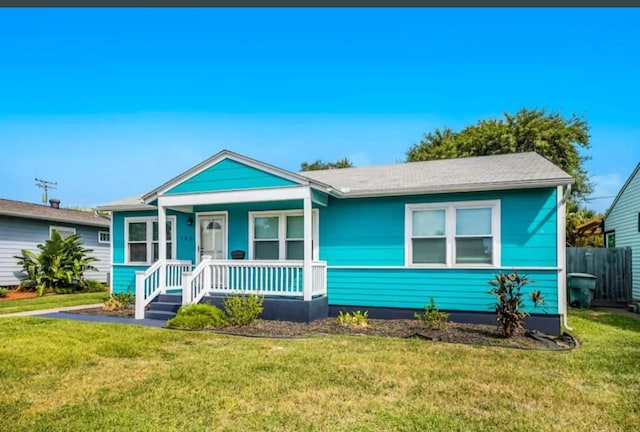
<point x="110" y="103"/>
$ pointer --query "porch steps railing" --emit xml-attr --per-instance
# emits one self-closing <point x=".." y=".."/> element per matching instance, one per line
<point x="278" y="278"/>
<point x="149" y="283"/>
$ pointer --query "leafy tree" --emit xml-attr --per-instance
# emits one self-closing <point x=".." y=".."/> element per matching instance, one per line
<point x="319" y="165"/>
<point x="576" y="216"/>
<point x="551" y="135"/>
<point x="59" y="266"/>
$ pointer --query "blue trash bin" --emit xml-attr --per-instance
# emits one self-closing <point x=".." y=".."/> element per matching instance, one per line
<point x="581" y="289"/>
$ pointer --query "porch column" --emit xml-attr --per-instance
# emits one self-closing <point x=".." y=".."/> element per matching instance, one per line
<point x="162" y="245"/>
<point x="308" y="250"/>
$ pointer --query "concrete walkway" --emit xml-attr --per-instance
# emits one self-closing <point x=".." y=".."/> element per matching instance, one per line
<point x="60" y="314"/>
<point x="48" y="311"/>
<point x="104" y="319"/>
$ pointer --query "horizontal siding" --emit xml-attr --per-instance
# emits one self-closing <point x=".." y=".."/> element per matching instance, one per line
<point x="17" y="234"/>
<point x="412" y="288"/>
<point x="125" y="277"/>
<point x="623" y="219"/>
<point x="229" y="175"/>
<point x="371" y="231"/>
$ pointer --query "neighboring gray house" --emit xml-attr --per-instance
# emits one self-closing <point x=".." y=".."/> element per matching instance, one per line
<point x="25" y="225"/>
<point x="622" y="224"/>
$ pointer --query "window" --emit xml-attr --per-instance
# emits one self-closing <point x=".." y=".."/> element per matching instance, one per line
<point x="452" y="234"/>
<point x="104" y="237"/>
<point x="142" y="239"/>
<point x="280" y="235"/>
<point x="63" y="231"/>
<point x="610" y="239"/>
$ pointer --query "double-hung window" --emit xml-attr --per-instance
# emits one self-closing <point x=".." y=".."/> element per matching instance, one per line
<point x="452" y="234"/>
<point x="280" y="235"/>
<point x="141" y="236"/>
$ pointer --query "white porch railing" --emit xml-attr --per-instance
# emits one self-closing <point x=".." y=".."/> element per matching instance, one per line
<point x="149" y="283"/>
<point x="278" y="278"/>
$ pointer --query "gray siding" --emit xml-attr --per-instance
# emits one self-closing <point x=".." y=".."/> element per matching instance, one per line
<point x="17" y="234"/>
<point x="623" y="218"/>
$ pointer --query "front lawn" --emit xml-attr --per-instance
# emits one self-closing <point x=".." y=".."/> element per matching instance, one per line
<point x="59" y="375"/>
<point x="51" y="301"/>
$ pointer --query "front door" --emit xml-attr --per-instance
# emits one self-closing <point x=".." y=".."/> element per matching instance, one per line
<point x="212" y="236"/>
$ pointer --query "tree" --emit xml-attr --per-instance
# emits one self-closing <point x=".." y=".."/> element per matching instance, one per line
<point x="551" y="135"/>
<point x="577" y="216"/>
<point x="319" y="165"/>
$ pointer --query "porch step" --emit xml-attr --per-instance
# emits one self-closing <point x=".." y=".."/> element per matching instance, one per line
<point x="169" y="298"/>
<point x="159" y="315"/>
<point x="164" y="307"/>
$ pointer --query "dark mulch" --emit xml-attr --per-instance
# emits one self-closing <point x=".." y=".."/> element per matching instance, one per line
<point x="469" y="334"/>
<point x="129" y="312"/>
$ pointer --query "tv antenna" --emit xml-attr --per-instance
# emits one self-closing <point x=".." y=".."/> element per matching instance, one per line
<point x="46" y="185"/>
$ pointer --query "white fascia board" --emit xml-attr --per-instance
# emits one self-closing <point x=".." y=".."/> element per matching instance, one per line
<point x="237" y="196"/>
<point x="461" y="188"/>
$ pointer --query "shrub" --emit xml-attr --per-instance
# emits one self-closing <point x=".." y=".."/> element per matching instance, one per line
<point x="242" y="309"/>
<point x="126" y="297"/>
<point x="119" y="301"/>
<point x="356" y="319"/>
<point x="59" y="267"/>
<point x="432" y="317"/>
<point x="94" y="286"/>
<point x="3" y="292"/>
<point x="508" y="290"/>
<point x="112" y="304"/>
<point x="197" y="317"/>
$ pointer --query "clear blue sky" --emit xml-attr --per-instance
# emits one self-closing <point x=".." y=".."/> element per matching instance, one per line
<point x="110" y="103"/>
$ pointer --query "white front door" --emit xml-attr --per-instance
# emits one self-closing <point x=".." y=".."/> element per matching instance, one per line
<point x="211" y="238"/>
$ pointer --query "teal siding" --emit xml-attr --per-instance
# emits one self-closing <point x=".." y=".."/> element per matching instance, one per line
<point x="185" y="234"/>
<point x="452" y="289"/>
<point x="124" y="276"/>
<point x="229" y="175"/>
<point x="370" y="232"/>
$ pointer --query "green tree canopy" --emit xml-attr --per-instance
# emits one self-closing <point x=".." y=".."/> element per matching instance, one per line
<point x="557" y="138"/>
<point x="319" y="165"/>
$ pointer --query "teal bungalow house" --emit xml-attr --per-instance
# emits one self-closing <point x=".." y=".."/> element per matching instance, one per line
<point x="382" y="238"/>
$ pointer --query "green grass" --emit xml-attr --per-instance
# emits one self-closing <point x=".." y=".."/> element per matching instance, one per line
<point x="59" y="375"/>
<point x="48" y="302"/>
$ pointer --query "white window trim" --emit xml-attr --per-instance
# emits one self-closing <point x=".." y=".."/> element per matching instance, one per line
<point x="148" y="220"/>
<point x="100" y="240"/>
<point x="282" y="230"/>
<point x="450" y="228"/>
<point x="60" y="228"/>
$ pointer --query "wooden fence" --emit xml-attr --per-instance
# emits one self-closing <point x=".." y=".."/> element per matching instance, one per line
<point x="612" y="267"/>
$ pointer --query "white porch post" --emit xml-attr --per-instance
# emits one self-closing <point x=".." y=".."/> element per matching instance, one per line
<point x="307" y="277"/>
<point x="162" y="245"/>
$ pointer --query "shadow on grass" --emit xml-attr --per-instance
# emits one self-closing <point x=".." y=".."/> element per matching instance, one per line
<point x="609" y="317"/>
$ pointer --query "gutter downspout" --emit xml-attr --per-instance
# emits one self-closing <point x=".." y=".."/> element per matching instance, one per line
<point x="564" y="272"/>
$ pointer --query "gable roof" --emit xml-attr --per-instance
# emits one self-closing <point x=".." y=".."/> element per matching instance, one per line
<point x="227" y="154"/>
<point x="507" y="171"/>
<point x="21" y="209"/>
<point x="497" y="172"/>
<point x="622" y="189"/>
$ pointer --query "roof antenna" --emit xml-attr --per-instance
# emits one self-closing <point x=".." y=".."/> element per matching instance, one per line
<point x="46" y="185"/>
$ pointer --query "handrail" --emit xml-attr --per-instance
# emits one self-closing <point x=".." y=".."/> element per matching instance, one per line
<point x="148" y="282"/>
<point x="196" y="284"/>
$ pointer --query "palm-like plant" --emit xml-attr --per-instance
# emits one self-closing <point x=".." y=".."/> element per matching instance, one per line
<point x="59" y="266"/>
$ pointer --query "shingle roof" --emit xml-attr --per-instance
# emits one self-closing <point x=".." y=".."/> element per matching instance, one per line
<point x="515" y="170"/>
<point x="37" y="211"/>
<point x="498" y="172"/>
<point x="130" y="203"/>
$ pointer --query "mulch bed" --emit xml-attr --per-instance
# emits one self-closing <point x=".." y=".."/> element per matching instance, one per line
<point x="129" y="312"/>
<point x="18" y="295"/>
<point x="468" y="334"/>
